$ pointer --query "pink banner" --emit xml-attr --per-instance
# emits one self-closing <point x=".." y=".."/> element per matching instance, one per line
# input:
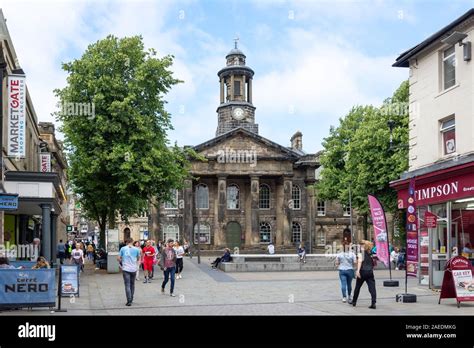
<point x="380" y="230"/>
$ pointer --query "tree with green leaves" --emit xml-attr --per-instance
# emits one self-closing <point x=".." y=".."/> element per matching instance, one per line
<point x="118" y="152"/>
<point x="358" y="154"/>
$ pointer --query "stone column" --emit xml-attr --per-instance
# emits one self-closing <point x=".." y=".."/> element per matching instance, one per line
<point x="221" y="209"/>
<point x="250" y="90"/>
<point x="242" y="89"/>
<point x="287" y="187"/>
<point x="280" y="213"/>
<point x="189" y="201"/>
<point x="310" y="213"/>
<point x="46" y="231"/>
<point x="54" y="242"/>
<point x="232" y="92"/>
<point x="254" y="195"/>
<point x="222" y="90"/>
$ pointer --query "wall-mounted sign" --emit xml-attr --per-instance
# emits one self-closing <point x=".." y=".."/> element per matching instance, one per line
<point x="45" y="162"/>
<point x="16" y="116"/>
<point x="8" y="201"/>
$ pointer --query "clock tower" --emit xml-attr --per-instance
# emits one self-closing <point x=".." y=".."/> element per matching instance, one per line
<point x="236" y="108"/>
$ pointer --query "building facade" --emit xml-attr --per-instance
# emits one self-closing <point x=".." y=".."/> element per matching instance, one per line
<point x="249" y="191"/>
<point x="39" y="183"/>
<point x="441" y="154"/>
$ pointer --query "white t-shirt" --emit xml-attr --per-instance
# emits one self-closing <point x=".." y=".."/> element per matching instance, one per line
<point x="77" y="254"/>
<point x="271" y="249"/>
<point x="179" y="252"/>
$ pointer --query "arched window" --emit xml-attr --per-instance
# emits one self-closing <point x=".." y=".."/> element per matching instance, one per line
<point x="204" y="232"/>
<point x="264" y="197"/>
<point x="296" y="197"/>
<point x="265" y="233"/>
<point x="202" y="197"/>
<point x="233" y="199"/>
<point x="171" y="232"/>
<point x="296" y="233"/>
<point x="173" y="204"/>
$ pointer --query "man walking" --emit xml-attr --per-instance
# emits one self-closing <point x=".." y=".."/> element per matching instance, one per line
<point x="128" y="257"/>
<point x="168" y="265"/>
<point x="61" y="251"/>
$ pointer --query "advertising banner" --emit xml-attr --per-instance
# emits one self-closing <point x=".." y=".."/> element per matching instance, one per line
<point x="27" y="287"/>
<point x="16" y="116"/>
<point x="69" y="280"/>
<point x="464" y="285"/>
<point x="380" y="230"/>
<point x="412" y="232"/>
<point x="457" y="280"/>
<point x="45" y="162"/>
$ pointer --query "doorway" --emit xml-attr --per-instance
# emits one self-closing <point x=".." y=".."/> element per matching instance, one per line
<point x="233" y="235"/>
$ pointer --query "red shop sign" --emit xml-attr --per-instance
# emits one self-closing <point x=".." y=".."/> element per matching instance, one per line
<point x="440" y="191"/>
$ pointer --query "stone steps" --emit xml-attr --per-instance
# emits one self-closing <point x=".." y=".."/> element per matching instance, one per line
<point x="281" y="263"/>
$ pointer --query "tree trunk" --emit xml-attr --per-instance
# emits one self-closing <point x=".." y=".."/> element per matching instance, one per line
<point x="102" y="225"/>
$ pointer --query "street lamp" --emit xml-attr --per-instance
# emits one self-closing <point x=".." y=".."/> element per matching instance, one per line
<point x="198" y="193"/>
<point x="346" y="159"/>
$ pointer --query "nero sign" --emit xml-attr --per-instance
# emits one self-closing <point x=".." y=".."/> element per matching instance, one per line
<point x="16" y="116"/>
<point x="27" y="288"/>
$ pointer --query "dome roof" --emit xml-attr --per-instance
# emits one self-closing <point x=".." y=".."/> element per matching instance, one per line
<point x="235" y="52"/>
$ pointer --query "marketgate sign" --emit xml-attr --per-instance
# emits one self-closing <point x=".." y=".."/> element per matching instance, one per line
<point x="16" y="140"/>
<point x="27" y="288"/>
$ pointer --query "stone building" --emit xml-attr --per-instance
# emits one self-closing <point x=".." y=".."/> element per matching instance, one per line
<point x="250" y="191"/>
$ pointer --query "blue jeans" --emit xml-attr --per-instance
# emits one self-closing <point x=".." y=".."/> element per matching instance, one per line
<point x="346" y="277"/>
<point x="129" y="281"/>
<point x="169" y="272"/>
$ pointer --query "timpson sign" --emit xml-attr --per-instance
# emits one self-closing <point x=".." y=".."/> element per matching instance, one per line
<point x="440" y="191"/>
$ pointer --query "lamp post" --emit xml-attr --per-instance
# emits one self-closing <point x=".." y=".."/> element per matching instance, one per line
<point x="198" y="210"/>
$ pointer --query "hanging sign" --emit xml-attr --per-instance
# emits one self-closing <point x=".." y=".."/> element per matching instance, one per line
<point x="16" y="116"/>
<point x="431" y="220"/>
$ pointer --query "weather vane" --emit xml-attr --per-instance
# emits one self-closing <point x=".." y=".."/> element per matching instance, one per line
<point x="236" y="40"/>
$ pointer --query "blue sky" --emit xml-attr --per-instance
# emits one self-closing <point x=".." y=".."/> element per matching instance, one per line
<point x="313" y="60"/>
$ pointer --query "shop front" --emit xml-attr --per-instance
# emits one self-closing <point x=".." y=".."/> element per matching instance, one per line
<point x="445" y="206"/>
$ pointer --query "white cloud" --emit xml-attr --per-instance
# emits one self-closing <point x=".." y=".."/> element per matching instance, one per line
<point x="319" y="79"/>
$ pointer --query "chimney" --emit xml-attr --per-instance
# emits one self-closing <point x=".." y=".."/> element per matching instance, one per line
<point x="297" y="141"/>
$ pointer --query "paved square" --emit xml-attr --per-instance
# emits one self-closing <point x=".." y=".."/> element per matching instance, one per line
<point x="204" y="291"/>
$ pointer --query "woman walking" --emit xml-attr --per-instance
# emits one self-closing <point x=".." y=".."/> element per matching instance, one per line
<point x="78" y="256"/>
<point x="168" y="265"/>
<point x="149" y="253"/>
<point x="90" y="252"/>
<point x="365" y="273"/>
<point x="345" y="262"/>
<point x="179" y="259"/>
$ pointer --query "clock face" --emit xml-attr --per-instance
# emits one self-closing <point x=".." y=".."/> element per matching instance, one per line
<point x="238" y="113"/>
